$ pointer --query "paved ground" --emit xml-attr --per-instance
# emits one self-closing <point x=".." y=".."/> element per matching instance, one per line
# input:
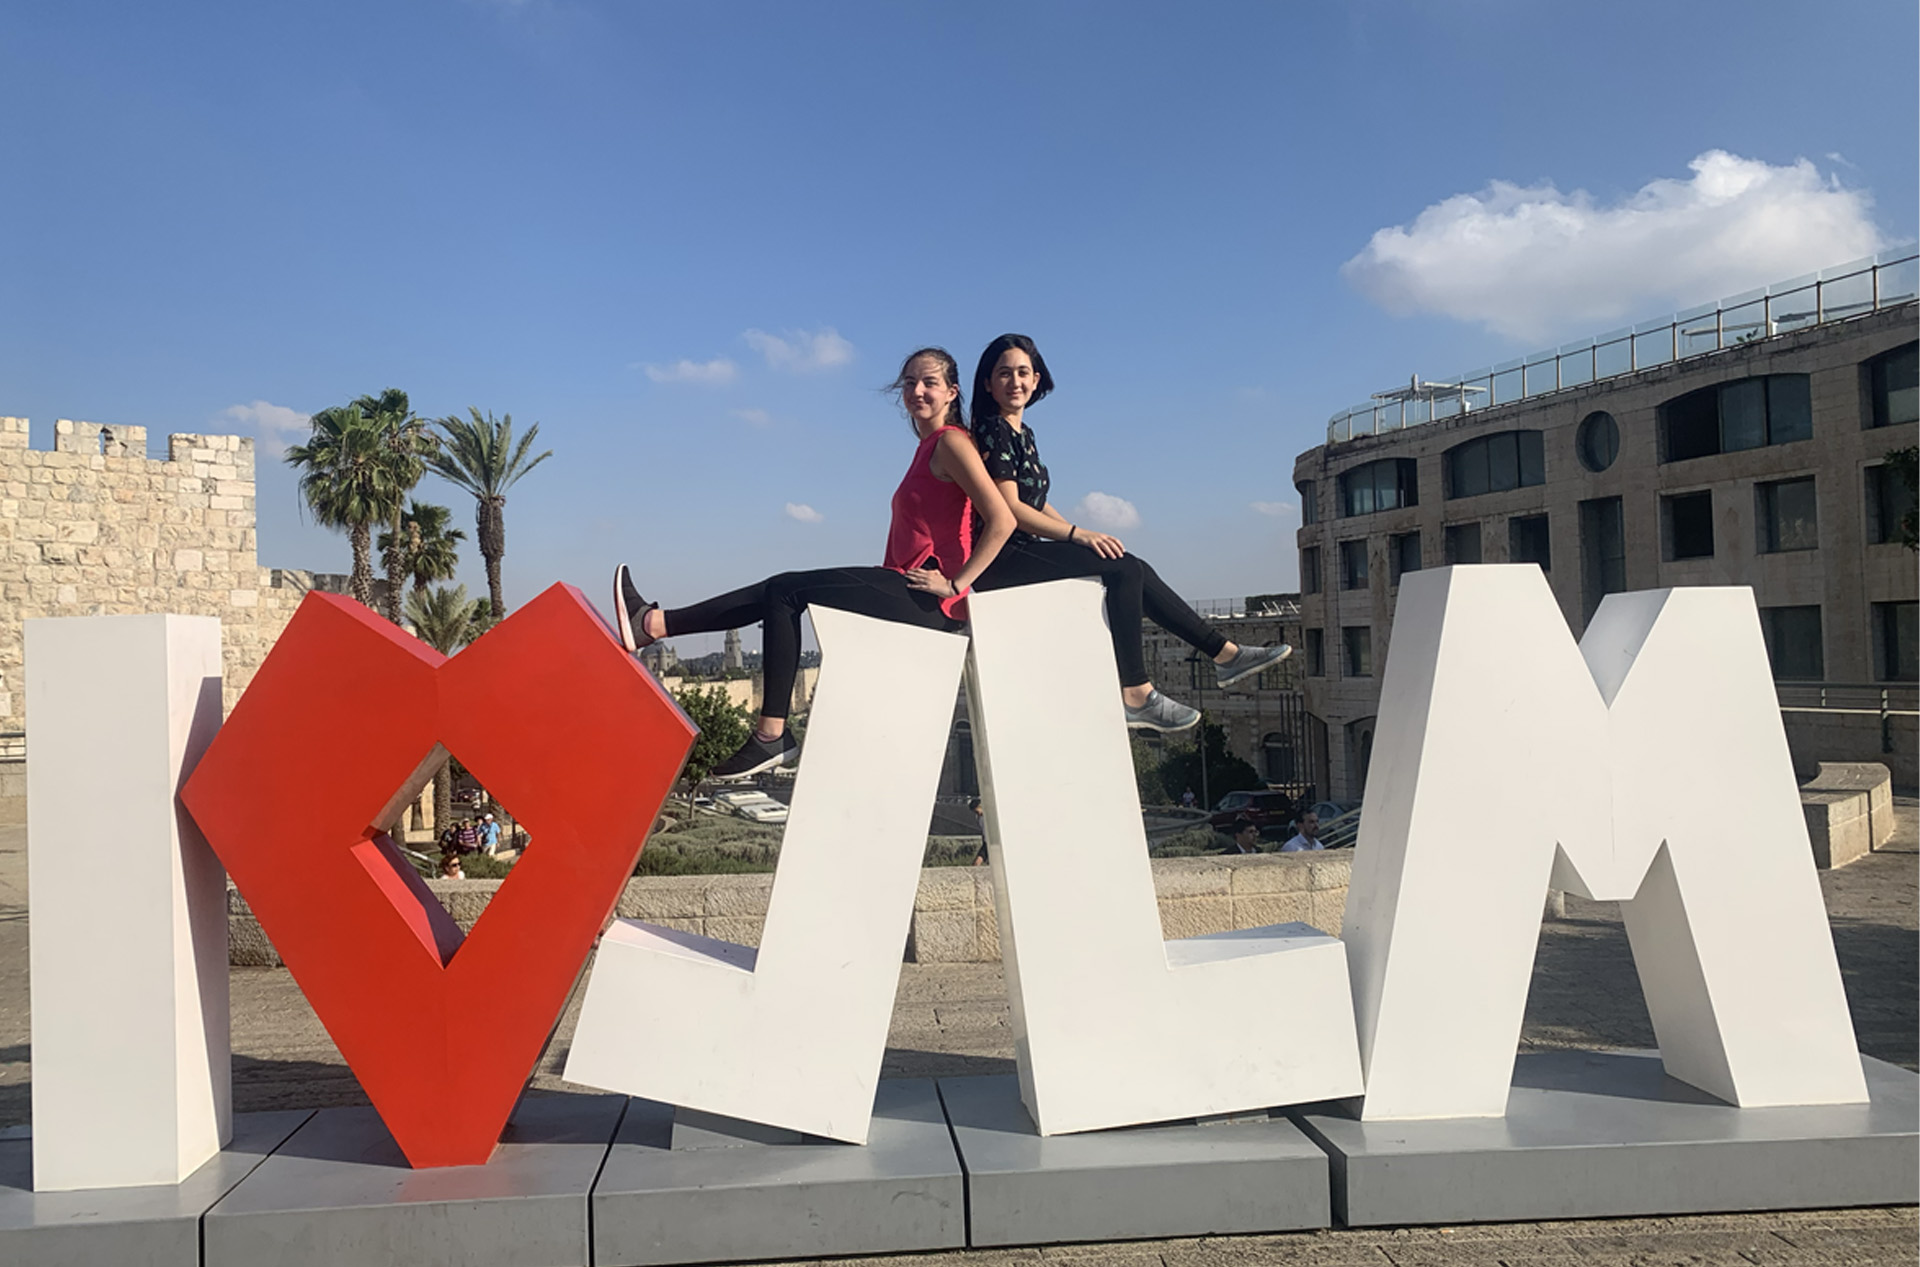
<point x="952" y="1019"/>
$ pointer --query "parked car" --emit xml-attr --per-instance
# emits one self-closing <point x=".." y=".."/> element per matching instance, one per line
<point x="755" y="807"/>
<point x="1329" y="810"/>
<point x="1271" y="812"/>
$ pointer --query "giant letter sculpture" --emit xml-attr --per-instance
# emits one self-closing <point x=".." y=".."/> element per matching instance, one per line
<point x="792" y="1034"/>
<point x="1659" y="767"/>
<point x="298" y="794"/>
<point x="1113" y="1025"/>
<point x="131" y="1071"/>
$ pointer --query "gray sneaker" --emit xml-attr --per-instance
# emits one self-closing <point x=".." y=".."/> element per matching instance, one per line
<point x="1162" y="714"/>
<point x="1250" y="661"/>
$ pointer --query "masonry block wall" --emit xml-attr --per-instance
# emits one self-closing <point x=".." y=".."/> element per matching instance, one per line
<point x="95" y="527"/>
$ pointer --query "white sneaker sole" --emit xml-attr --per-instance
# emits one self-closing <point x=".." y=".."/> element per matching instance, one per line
<point x="1242" y="675"/>
<point x="621" y="620"/>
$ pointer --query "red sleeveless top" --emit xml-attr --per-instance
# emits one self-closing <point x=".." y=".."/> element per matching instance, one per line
<point x="932" y="519"/>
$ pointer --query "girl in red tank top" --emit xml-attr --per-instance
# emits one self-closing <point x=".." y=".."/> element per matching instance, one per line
<point x="934" y="552"/>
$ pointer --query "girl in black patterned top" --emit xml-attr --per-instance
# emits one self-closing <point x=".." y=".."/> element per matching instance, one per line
<point x="1011" y="376"/>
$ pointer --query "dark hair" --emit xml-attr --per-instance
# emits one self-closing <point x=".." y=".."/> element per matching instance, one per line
<point x="956" y="408"/>
<point x="984" y="406"/>
<point x="1242" y="823"/>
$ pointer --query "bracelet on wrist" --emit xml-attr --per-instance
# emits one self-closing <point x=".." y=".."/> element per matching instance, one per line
<point x="1071" y="529"/>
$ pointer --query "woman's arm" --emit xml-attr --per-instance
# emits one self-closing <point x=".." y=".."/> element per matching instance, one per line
<point x="957" y="459"/>
<point x="1048" y="522"/>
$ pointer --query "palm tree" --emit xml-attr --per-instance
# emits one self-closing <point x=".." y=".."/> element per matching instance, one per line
<point x="347" y="478"/>
<point x="481" y="457"/>
<point x="429" y="549"/>
<point x="409" y="442"/>
<point x="446" y="619"/>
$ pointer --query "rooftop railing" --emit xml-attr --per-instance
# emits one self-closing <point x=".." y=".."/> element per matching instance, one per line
<point x="1832" y="294"/>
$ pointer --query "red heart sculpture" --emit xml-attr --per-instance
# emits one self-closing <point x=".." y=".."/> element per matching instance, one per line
<point x="296" y="794"/>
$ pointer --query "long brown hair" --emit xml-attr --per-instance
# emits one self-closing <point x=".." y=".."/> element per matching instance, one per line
<point x="956" y="408"/>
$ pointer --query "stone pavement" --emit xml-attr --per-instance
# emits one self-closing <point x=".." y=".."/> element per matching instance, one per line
<point x="952" y="1019"/>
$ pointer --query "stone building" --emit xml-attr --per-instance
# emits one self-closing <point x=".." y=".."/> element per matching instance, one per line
<point x="1265" y="719"/>
<point x="1743" y="443"/>
<point x="95" y="527"/>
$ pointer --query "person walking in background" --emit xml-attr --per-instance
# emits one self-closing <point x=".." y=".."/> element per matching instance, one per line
<point x="1011" y="377"/>
<point x="489" y="836"/>
<point x="467" y="838"/>
<point x="948" y="525"/>
<point x="1186" y="799"/>
<point x="1246" y="836"/>
<point x="1306" y="834"/>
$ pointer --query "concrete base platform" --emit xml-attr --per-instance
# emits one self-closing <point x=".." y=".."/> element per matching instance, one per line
<point x="1606" y="1134"/>
<point x="340" y="1193"/>
<point x="712" y="1193"/>
<point x="156" y="1226"/>
<point x="1244" y="1175"/>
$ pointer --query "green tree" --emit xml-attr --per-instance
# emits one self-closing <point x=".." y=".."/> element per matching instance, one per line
<point x="1225" y="772"/>
<point x="723" y="728"/>
<point x="429" y="549"/>
<point x="409" y="441"/>
<point x="1147" y="756"/>
<point x="1906" y="468"/>
<point x="479" y="455"/>
<point x="349" y="481"/>
<point x="445" y="619"/>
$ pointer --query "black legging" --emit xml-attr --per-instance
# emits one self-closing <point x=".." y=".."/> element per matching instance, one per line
<point x="776" y="604"/>
<point x="1133" y="587"/>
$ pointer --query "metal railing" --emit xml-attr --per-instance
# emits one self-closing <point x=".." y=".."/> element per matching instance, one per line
<point x="1238" y="608"/>
<point x="1832" y="294"/>
<point x="1885" y="700"/>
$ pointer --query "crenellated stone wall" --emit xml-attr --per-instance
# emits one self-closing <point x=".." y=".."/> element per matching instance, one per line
<point x="95" y="527"/>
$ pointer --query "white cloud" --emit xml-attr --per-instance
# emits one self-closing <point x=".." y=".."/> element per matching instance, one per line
<point x="754" y="417"/>
<point x="1532" y="262"/>
<point x="803" y="513"/>
<point x="801" y="350"/>
<point x="1107" y="512"/>
<point x="276" y="425"/>
<point x="1273" y="508"/>
<point x="718" y="370"/>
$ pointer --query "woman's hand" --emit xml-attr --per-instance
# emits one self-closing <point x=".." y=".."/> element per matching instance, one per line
<point x="931" y="581"/>
<point x="1107" y="547"/>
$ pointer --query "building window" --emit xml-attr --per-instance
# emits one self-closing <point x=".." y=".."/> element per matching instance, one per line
<point x="1793" y="642"/>
<point x="1889" y="501"/>
<point x="1527" y="541"/>
<point x="1316" y="653"/>
<point x="1403" y="555"/>
<point x="1494" y="464"/>
<point x="1687" y="525"/>
<point x="1387" y="484"/>
<point x="1785" y="511"/>
<point x="1748" y="413"/>
<point x="1463" y="543"/>
<point x="1598" y="440"/>
<point x="1310" y="570"/>
<point x="1893" y="380"/>
<point x="1353" y="564"/>
<point x="1309" y="508"/>
<point x="1359" y="648"/>
<point x="1896" y="630"/>
<point x="1603" y="551"/>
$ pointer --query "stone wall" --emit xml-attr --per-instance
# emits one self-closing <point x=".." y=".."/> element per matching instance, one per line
<point x="94" y="527"/>
<point x="953" y="913"/>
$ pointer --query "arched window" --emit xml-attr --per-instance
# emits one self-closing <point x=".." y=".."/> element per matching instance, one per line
<point x="1387" y="484"/>
<point x="1494" y="464"/>
<point x="1748" y="413"/>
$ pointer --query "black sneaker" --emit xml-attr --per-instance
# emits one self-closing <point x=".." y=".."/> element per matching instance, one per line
<point x="756" y="756"/>
<point x="630" y="610"/>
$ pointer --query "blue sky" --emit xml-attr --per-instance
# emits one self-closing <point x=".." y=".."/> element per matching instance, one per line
<point x="693" y="241"/>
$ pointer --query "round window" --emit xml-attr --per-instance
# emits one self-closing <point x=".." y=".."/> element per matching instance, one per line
<point x="1599" y="440"/>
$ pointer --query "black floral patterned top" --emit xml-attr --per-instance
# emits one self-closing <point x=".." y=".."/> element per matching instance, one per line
<point x="1011" y="454"/>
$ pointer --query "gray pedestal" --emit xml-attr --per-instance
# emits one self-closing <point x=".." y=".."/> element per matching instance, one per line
<point x="1160" y="1181"/>
<point x="718" y="1194"/>
<point x="340" y="1193"/>
<point x="156" y="1226"/>
<point x="1598" y="1134"/>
